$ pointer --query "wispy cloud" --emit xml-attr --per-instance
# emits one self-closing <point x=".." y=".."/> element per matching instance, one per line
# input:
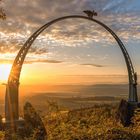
<point x="93" y="65"/>
<point x="43" y="61"/>
<point x="24" y="17"/>
<point x="8" y="61"/>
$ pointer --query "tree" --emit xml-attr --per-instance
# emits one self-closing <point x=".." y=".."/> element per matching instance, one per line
<point x="2" y="13"/>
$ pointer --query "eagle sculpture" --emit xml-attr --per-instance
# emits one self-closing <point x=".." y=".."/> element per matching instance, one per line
<point x="90" y="14"/>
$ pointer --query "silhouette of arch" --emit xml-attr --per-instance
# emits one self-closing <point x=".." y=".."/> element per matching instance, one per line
<point x="11" y="98"/>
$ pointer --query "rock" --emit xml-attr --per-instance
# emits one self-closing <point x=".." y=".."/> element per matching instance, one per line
<point x="125" y="112"/>
<point x="33" y="122"/>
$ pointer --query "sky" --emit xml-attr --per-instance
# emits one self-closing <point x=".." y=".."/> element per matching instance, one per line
<point x="69" y="50"/>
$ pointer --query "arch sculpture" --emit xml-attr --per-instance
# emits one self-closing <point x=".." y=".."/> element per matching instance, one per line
<point x="11" y="98"/>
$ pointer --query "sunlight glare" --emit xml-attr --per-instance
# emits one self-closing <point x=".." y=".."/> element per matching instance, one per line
<point x="4" y="72"/>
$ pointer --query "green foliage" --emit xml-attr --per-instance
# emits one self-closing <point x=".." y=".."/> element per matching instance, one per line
<point x="95" y="123"/>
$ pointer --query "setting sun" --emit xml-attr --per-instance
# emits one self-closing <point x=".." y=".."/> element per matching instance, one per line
<point x="4" y="72"/>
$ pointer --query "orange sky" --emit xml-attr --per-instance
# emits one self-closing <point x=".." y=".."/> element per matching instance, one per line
<point x="40" y="73"/>
<point x="71" y="51"/>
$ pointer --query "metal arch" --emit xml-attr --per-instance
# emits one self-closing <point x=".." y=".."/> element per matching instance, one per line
<point x="13" y="80"/>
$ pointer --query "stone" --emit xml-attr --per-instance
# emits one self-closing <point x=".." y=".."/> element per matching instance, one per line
<point x="33" y="122"/>
<point x="125" y="112"/>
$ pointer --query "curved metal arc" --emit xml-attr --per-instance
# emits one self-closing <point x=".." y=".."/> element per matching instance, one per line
<point x="13" y="80"/>
<point x="17" y="65"/>
<point x="35" y="35"/>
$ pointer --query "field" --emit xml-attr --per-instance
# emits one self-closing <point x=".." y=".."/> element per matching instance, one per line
<point x="70" y="114"/>
<point x="93" y="123"/>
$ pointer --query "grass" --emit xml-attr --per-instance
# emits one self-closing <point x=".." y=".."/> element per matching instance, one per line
<point x="93" y="123"/>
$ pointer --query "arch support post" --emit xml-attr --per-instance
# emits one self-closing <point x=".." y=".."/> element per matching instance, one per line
<point x="11" y="103"/>
<point x="127" y="109"/>
<point x="12" y="120"/>
<point x="133" y="94"/>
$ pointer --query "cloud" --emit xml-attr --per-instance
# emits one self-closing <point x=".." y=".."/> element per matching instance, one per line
<point x="13" y="44"/>
<point x="8" y="61"/>
<point x="43" y="61"/>
<point x="41" y="11"/>
<point x="24" y="18"/>
<point x="94" y="65"/>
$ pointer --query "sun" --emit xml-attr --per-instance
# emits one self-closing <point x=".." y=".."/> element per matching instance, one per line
<point x="4" y="72"/>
